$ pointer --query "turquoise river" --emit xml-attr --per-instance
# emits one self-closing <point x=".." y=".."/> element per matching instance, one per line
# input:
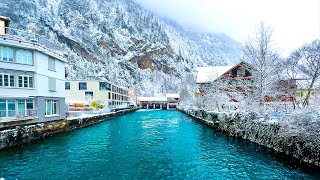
<point x="147" y="144"/>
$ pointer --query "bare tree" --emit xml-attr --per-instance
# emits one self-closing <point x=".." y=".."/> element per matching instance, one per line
<point x="260" y="52"/>
<point x="307" y="60"/>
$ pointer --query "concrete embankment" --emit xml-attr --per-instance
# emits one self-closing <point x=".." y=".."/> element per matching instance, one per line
<point x="17" y="135"/>
<point x="302" y="144"/>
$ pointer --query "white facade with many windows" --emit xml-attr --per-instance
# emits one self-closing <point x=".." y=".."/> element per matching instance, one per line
<point x="31" y="81"/>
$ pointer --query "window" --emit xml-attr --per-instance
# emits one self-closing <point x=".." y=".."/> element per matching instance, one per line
<point x="7" y="80"/>
<point x="298" y="94"/>
<point x="89" y="94"/>
<point x="52" y="84"/>
<point x="82" y="86"/>
<point x="13" y="107"/>
<point x="109" y="95"/>
<point x="51" y="107"/>
<point x="3" y="108"/>
<point x="234" y="72"/>
<point x="24" y="57"/>
<point x="6" y="54"/>
<point x="25" y="81"/>
<point x="239" y="72"/>
<point x="104" y="86"/>
<point x="30" y="104"/>
<point x="247" y="73"/>
<point x="67" y="85"/>
<point x="51" y="64"/>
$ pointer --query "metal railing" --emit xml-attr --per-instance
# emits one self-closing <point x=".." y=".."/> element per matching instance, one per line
<point x="31" y="37"/>
<point x="16" y="115"/>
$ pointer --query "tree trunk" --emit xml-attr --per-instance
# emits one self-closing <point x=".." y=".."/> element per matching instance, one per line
<point x="306" y="101"/>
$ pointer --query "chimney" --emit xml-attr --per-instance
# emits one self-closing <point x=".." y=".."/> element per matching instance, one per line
<point x="4" y="25"/>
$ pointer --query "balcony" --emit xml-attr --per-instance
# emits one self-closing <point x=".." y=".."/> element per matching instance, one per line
<point x="31" y="37"/>
<point x="16" y="115"/>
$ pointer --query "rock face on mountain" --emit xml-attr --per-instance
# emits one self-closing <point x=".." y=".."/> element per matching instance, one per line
<point x="120" y="41"/>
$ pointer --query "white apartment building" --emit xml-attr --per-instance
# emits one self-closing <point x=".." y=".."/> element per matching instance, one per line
<point x="31" y="79"/>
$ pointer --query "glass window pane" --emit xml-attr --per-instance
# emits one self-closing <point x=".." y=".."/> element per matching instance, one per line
<point x="6" y="80"/>
<point x="4" y="54"/>
<point x="1" y="49"/>
<point x="21" y="107"/>
<point x="11" y="81"/>
<point x="2" y="105"/>
<point x="48" y="107"/>
<point x="54" y="108"/>
<point x="1" y="79"/>
<point x="82" y="86"/>
<point x="30" y="82"/>
<point x="19" y="57"/>
<point x="29" y="58"/>
<point x="11" y="106"/>
<point x="20" y="81"/>
<point x="25" y="81"/>
<point x="67" y="85"/>
<point x="29" y="105"/>
<point x="10" y="55"/>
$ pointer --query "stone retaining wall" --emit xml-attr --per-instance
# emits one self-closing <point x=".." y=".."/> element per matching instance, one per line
<point x="13" y="136"/>
<point x="304" y="148"/>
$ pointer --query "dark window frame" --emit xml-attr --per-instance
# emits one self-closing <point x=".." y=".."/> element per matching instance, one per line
<point x="67" y="87"/>
<point x="90" y="93"/>
<point x="83" y="87"/>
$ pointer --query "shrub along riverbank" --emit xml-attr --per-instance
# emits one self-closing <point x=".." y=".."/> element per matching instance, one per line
<point x="295" y="136"/>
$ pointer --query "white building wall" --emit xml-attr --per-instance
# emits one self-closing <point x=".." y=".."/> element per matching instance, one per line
<point x="16" y="66"/>
<point x="43" y="75"/>
<point x="17" y="92"/>
<point x="75" y="95"/>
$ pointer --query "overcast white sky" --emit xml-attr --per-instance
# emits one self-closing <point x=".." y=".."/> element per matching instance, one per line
<point x="294" y="22"/>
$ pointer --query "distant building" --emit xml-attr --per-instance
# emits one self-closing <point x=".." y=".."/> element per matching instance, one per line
<point x="173" y="100"/>
<point x="153" y="102"/>
<point x="31" y="78"/>
<point x="314" y="97"/>
<point x="4" y="25"/>
<point x="82" y="91"/>
<point x="236" y="78"/>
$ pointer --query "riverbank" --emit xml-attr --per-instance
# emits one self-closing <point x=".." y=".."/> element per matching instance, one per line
<point x="17" y="135"/>
<point x="303" y="144"/>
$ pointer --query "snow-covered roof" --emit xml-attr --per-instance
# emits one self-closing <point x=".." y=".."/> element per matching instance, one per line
<point x="5" y="18"/>
<point x="173" y="95"/>
<point x="209" y="74"/>
<point x="161" y="99"/>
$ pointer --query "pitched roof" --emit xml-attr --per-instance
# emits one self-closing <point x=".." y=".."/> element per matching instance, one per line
<point x="209" y="74"/>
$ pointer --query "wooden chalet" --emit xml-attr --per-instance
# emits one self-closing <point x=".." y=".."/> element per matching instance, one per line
<point x="239" y="79"/>
<point x="236" y="78"/>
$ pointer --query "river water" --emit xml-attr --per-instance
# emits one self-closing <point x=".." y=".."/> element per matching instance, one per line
<point x="147" y="144"/>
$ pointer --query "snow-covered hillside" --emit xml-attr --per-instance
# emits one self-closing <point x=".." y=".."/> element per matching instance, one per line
<point x="121" y="41"/>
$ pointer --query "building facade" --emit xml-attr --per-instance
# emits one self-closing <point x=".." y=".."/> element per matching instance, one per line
<point x="82" y="91"/>
<point x="237" y="78"/>
<point x="153" y="102"/>
<point x="31" y="80"/>
<point x="173" y="100"/>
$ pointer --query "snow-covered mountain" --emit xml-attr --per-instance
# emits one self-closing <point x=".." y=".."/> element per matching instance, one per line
<point x="121" y="41"/>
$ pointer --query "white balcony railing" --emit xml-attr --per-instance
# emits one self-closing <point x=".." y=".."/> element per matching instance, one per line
<point x="31" y="37"/>
<point x="16" y="115"/>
